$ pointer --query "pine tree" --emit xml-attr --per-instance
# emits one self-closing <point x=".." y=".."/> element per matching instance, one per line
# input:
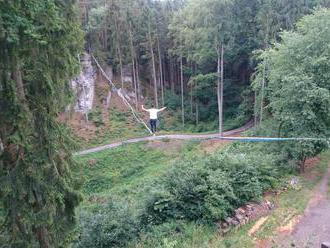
<point x="39" y="44"/>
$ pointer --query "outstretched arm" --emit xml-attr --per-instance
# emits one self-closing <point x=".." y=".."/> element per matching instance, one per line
<point x="143" y="108"/>
<point x="162" y="109"/>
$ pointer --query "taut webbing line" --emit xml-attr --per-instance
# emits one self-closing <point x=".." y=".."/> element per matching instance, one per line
<point x="271" y="139"/>
<point x="118" y="91"/>
<point x="195" y="137"/>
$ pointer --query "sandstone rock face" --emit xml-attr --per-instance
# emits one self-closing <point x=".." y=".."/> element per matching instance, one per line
<point x="84" y="85"/>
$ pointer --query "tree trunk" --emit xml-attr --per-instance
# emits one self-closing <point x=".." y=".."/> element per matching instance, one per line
<point x="182" y="99"/>
<point x="41" y="231"/>
<point x="105" y="31"/>
<point x="17" y="77"/>
<point x="197" y="113"/>
<point x="191" y="100"/>
<point x="133" y="67"/>
<point x="220" y="87"/>
<point x="153" y="69"/>
<point x="138" y="79"/>
<point x="121" y="67"/>
<point x="161" y="81"/>
<point x="171" y="75"/>
<point x="262" y="94"/>
<point x="302" y="164"/>
<point x="192" y="90"/>
<point x="135" y="84"/>
<point x="255" y="109"/>
<point x="119" y="53"/>
<point x="42" y="236"/>
<point x="105" y="43"/>
<point x="178" y="73"/>
<point x="165" y="75"/>
<point x="175" y="76"/>
<point x="86" y="114"/>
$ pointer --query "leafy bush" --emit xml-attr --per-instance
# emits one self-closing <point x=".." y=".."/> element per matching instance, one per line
<point x="209" y="188"/>
<point x="196" y="188"/>
<point x="113" y="226"/>
<point x="245" y="182"/>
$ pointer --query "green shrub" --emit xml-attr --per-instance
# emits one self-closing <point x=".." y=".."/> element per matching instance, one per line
<point x="209" y="188"/>
<point x="159" y="207"/>
<point x="196" y="188"/>
<point x="199" y="192"/>
<point x="114" y="226"/>
<point x="245" y="182"/>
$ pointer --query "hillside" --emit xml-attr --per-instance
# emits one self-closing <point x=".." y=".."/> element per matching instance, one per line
<point x="101" y="116"/>
<point x="118" y="183"/>
<point x="79" y="166"/>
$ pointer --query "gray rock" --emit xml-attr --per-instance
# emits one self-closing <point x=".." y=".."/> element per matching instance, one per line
<point x="325" y="245"/>
<point x="228" y="220"/>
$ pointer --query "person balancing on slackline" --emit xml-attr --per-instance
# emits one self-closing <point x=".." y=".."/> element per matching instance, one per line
<point x="153" y="112"/>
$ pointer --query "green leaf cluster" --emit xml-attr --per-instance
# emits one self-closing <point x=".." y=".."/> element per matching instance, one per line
<point x="298" y="89"/>
<point x="210" y="188"/>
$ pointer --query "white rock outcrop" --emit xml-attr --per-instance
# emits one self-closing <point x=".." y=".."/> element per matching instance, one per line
<point x="83" y="85"/>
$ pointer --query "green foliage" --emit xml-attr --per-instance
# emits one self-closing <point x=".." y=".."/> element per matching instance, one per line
<point x="119" y="31"/>
<point x="126" y="172"/>
<point x="114" y="225"/>
<point x="39" y="44"/>
<point x="298" y="90"/>
<point x="174" y="191"/>
<point x="112" y="169"/>
<point x="200" y="27"/>
<point x="196" y="235"/>
<point x="209" y="188"/>
<point x="204" y="94"/>
<point x="172" y="101"/>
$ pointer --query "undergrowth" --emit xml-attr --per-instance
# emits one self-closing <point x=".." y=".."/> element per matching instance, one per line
<point x="156" y="189"/>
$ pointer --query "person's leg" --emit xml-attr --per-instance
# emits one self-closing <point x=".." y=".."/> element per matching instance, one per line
<point x="155" y="125"/>
<point x="151" y="125"/>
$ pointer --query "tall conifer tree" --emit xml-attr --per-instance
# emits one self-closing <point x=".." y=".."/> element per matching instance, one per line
<point x="39" y="44"/>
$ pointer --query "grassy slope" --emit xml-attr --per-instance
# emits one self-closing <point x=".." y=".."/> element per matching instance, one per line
<point x="291" y="204"/>
<point x="120" y="126"/>
<point x="127" y="172"/>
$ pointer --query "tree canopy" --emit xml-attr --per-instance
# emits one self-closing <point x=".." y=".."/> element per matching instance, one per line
<point x="297" y="74"/>
<point x="39" y="44"/>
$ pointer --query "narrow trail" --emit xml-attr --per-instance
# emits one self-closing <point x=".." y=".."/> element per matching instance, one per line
<point x="314" y="227"/>
<point x="167" y="136"/>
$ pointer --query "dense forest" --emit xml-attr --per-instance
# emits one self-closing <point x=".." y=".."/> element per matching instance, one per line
<point x="201" y="52"/>
<point x="210" y="62"/>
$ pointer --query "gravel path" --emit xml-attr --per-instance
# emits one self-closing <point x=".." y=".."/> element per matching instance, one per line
<point x="314" y="227"/>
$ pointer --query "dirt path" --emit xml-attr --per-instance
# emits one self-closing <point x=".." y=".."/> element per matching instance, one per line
<point x="168" y="136"/>
<point x="314" y="227"/>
